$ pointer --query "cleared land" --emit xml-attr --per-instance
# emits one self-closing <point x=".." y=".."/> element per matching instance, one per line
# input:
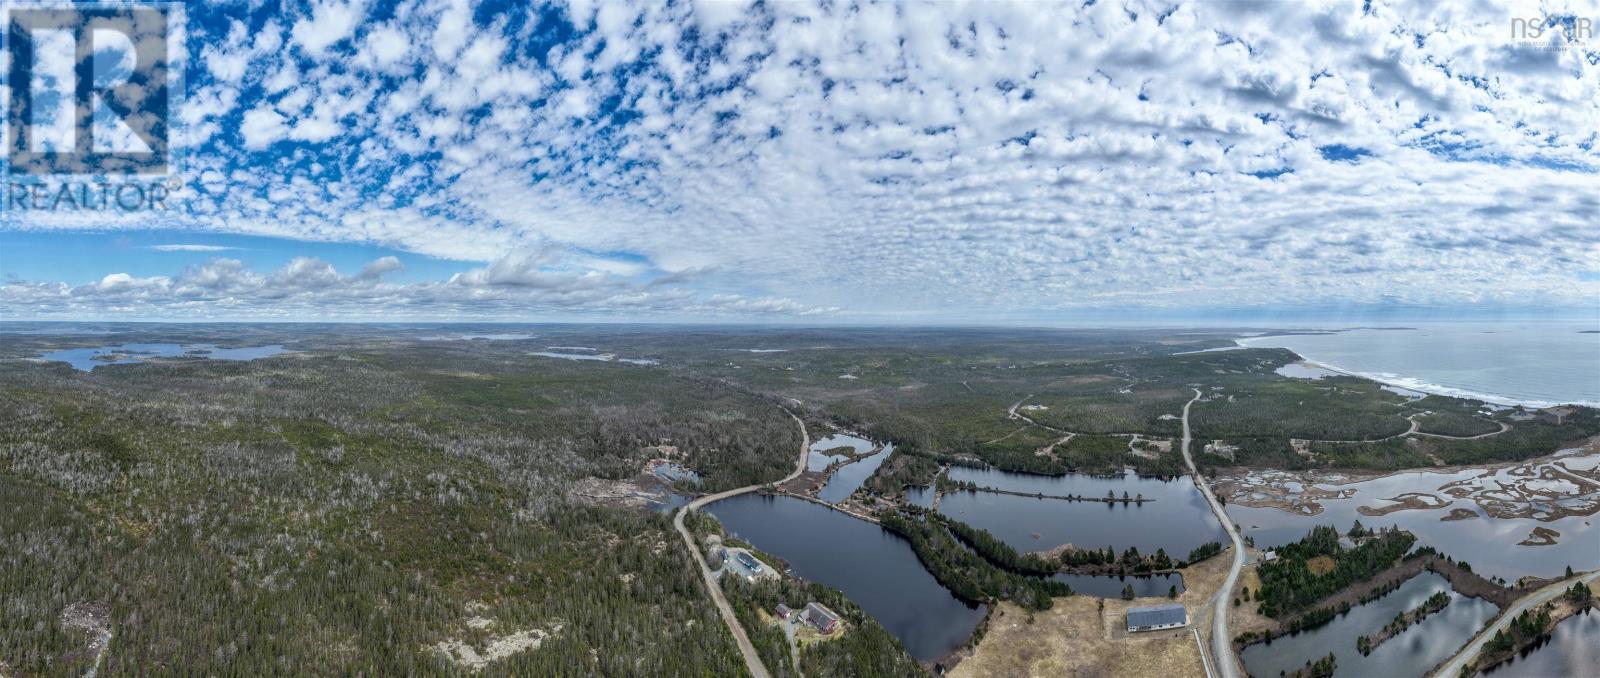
<point x="1085" y="636"/>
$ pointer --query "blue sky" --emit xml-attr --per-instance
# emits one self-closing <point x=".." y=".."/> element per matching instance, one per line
<point x="800" y="162"/>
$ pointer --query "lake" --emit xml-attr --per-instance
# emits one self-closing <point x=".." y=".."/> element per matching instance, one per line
<point x="1111" y="586"/>
<point x="848" y="478"/>
<point x="86" y="359"/>
<point x="874" y="567"/>
<point x="818" y="458"/>
<point x="1572" y="650"/>
<point x="1535" y="364"/>
<point x="1411" y="653"/>
<point x="1177" y="520"/>
<point x="1490" y="545"/>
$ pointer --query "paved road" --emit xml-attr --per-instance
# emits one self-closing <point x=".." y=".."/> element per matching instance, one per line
<point x="752" y="661"/>
<point x="1452" y="668"/>
<point x="1222" y="656"/>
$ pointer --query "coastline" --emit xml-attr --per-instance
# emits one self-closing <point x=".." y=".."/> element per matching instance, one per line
<point x="1420" y="385"/>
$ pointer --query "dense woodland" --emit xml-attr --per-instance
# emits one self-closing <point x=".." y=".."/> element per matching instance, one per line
<point x="965" y="572"/>
<point x="358" y="504"/>
<point x="1317" y="566"/>
<point x="372" y="494"/>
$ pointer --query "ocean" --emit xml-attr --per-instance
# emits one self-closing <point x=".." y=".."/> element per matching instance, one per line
<point x="1530" y="364"/>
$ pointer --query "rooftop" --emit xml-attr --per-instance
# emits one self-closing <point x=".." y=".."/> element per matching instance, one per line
<point x="1157" y="615"/>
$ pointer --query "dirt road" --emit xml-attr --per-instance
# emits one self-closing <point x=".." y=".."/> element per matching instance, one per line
<point x="752" y="660"/>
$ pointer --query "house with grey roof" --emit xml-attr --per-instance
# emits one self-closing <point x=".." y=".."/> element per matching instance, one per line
<point x="1157" y="617"/>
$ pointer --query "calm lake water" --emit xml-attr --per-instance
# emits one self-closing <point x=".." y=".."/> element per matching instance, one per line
<point x="1537" y="364"/>
<point x="874" y="567"/>
<point x="1572" y="650"/>
<point x="1488" y="544"/>
<point x="848" y="478"/>
<point x="1106" y="586"/>
<point x="1177" y="520"/>
<point x="819" y="459"/>
<point x="1411" y="653"/>
<point x="87" y="359"/>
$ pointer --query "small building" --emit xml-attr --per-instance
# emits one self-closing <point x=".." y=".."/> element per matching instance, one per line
<point x="821" y="617"/>
<point x="1269" y="556"/>
<point x="783" y="611"/>
<point x="1157" y="617"/>
<point x="749" y="562"/>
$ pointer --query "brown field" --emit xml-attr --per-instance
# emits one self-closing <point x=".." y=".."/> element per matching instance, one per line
<point x="1085" y="636"/>
<point x="1244" y="618"/>
<point x="1320" y="565"/>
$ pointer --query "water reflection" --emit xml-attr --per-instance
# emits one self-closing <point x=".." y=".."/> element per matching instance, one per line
<point x="1411" y="653"/>
<point x="848" y="478"/>
<point x="1572" y="650"/>
<point x="1176" y="519"/>
<point x="1489" y="544"/>
<point x="874" y="567"/>
<point x="1112" y="586"/>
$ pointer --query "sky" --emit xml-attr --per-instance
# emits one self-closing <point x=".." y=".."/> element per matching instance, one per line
<point x="972" y="163"/>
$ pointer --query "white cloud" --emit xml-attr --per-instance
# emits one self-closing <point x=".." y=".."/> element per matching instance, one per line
<point x="966" y="158"/>
<point x="192" y="248"/>
<point x="329" y="23"/>
<point x="262" y="126"/>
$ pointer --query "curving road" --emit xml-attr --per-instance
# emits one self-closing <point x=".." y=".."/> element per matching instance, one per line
<point x="1221" y="641"/>
<point x="1452" y="668"/>
<point x="752" y="661"/>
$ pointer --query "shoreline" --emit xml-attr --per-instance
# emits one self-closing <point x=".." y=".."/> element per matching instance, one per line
<point x="1421" y="386"/>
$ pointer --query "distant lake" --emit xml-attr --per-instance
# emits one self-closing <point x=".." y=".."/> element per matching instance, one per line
<point x="1534" y="364"/>
<point x="87" y="359"/>
<point x="874" y="567"/>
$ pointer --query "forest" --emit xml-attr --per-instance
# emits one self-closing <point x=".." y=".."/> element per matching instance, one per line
<point x="1318" y="566"/>
<point x="967" y="574"/>
<point x="385" y="499"/>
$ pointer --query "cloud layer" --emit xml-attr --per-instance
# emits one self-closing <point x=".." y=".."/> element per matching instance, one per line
<point x="954" y="158"/>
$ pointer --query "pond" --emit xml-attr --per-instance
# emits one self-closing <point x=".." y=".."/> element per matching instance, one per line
<point x="1177" y="520"/>
<point x="1411" y="653"/>
<point x="1571" y="650"/>
<point x="848" y="478"/>
<point x="920" y="495"/>
<point x="1111" y="586"/>
<point x="819" y="459"/>
<point x="1490" y="545"/>
<point x="86" y="359"/>
<point x="1304" y="371"/>
<point x="872" y="566"/>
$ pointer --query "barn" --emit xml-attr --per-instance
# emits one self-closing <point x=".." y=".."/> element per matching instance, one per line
<point x="1156" y="617"/>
